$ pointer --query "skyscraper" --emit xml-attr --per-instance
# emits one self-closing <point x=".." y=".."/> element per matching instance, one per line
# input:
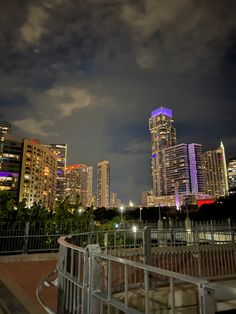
<point x="163" y="135"/>
<point x="183" y="170"/>
<point x="27" y="171"/>
<point x="60" y="151"/>
<point x="103" y="184"/>
<point x="79" y="179"/>
<point x="216" y="172"/>
<point x="232" y="174"/>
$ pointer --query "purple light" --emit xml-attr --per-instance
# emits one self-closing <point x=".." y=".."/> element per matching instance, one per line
<point x="165" y="111"/>
<point x="154" y="155"/>
<point x="8" y="174"/>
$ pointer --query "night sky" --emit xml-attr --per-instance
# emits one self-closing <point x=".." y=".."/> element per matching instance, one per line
<point x="89" y="72"/>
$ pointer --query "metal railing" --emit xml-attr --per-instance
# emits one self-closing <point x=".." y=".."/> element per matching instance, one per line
<point x="143" y="271"/>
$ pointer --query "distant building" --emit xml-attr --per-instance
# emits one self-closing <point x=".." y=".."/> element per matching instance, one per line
<point x="232" y="174"/>
<point x="103" y="184"/>
<point x="183" y="170"/>
<point x="79" y="179"/>
<point x="114" y="200"/>
<point x="11" y="155"/>
<point x="216" y="172"/>
<point x="27" y="171"/>
<point x="163" y="135"/>
<point x="60" y="151"/>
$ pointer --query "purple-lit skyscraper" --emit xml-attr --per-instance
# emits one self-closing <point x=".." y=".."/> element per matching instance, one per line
<point x="163" y="135"/>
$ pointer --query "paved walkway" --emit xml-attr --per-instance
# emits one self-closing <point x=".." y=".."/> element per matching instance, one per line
<point x="19" y="278"/>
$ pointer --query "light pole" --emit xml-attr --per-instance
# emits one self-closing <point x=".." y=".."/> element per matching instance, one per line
<point x="140" y="214"/>
<point x="135" y="234"/>
<point x="121" y="213"/>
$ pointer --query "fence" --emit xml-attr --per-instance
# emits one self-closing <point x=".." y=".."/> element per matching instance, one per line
<point x="143" y="271"/>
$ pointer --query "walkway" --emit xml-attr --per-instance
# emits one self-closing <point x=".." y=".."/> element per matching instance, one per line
<point x="19" y="277"/>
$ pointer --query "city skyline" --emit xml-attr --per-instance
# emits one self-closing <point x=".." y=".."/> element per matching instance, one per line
<point x="89" y="75"/>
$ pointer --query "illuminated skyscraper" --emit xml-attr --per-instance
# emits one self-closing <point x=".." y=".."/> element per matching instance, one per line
<point x="60" y="151"/>
<point x="163" y="135"/>
<point x="27" y="171"/>
<point x="103" y="184"/>
<point x="232" y="174"/>
<point x="79" y="179"/>
<point x="216" y="172"/>
<point x="183" y="169"/>
<point x="10" y="164"/>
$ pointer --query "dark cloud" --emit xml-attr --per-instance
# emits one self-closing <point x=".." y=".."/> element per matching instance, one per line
<point x="90" y="72"/>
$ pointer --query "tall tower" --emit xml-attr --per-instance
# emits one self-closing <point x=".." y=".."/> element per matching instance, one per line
<point x="216" y="172"/>
<point x="103" y="184"/>
<point x="60" y="151"/>
<point x="163" y="135"/>
<point x="79" y="179"/>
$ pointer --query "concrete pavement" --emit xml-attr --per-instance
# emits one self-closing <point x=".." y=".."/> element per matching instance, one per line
<point x="19" y="277"/>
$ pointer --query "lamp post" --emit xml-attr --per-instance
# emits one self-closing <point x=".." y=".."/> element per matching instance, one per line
<point x="121" y="213"/>
<point x="140" y="214"/>
<point x="135" y="234"/>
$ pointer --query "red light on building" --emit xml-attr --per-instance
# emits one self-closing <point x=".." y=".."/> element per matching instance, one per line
<point x="205" y="201"/>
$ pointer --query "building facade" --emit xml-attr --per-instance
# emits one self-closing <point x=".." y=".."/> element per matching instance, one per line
<point x="5" y="128"/>
<point x="163" y="135"/>
<point x="103" y="184"/>
<point x="79" y="179"/>
<point x="232" y="174"/>
<point x="60" y="151"/>
<point x="28" y="171"/>
<point x="11" y="153"/>
<point x="183" y="170"/>
<point x="216" y="172"/>
<point x="38" y="174"/>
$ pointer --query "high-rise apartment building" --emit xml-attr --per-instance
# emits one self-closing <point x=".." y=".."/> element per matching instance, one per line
<point x="183" y="170"/>
<point x="163" y="135"/>
<point x="232" y="174"/>
<point x="28" y="171"/>
<point x="115" y="201"/>
<point x="79" y="180"/>
<point x="60" y="151"/>
<point x="5" y="127"/>
<point x="11" y="153"/>
<point x="216" y="172"/>
<point x="38" y="174"/>
<point x="103" y="184"/>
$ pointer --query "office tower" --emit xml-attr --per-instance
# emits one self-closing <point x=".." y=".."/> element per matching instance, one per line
<point x="216" y="172"/>
<point x="60" y="151"/>
<point x="232" y="174"/>
<point x="10" y="165"/>
<point x="163" y="135"/>
<point x="103" y="184"/>
<point x="183" y="170"/>
<point x="38" y="174"/>
<point x="79" y="180"/>
<point x="28" y="171"/>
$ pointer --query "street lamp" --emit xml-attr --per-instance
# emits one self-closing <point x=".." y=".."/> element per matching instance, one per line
<point x="121" y="213"/>
<point x="140" y="214"/>
<point x="135" y="234"/>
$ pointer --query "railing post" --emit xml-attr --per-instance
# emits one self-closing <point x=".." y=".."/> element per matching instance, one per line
<point x="147" y="245"/>
<point x="92" y="271"/>
<point x="26" y="237"/>
<point x="207" y="303"/>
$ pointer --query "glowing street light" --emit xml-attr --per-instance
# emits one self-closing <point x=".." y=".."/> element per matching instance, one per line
<point x="121" y="213"/>
<point x="140" y="214"/>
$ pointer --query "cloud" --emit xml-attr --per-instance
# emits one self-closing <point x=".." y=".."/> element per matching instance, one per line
<point x="187" y="34"/>
<point x="70" y="99"/>
<point x="35" y="127"/>
<point x="34" y="26"/>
